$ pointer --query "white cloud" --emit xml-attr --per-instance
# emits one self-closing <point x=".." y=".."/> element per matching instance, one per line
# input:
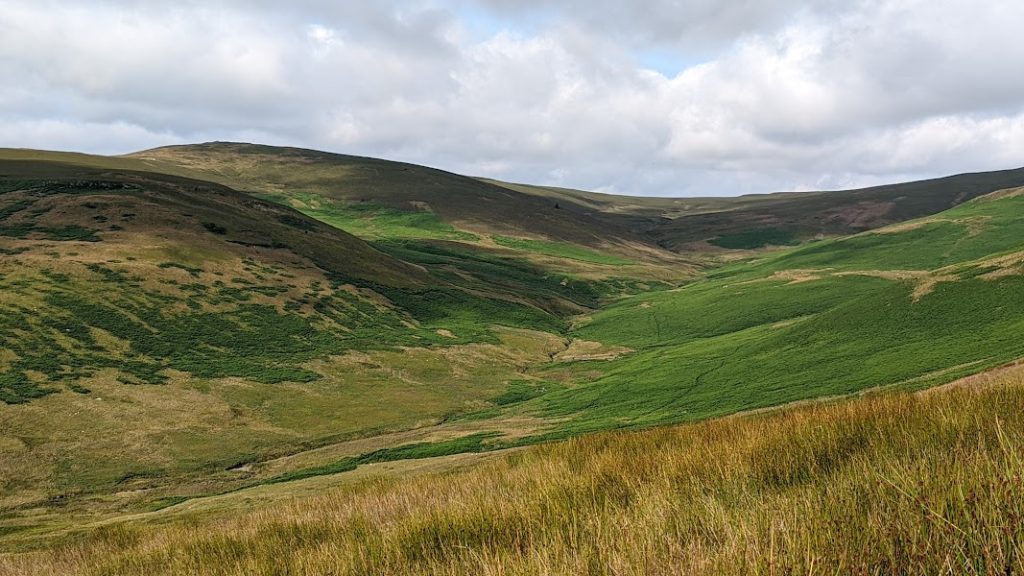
<point x="787" y="95"/>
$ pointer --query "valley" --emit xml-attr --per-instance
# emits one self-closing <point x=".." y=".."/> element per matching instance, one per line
<point x="192" y="332"/>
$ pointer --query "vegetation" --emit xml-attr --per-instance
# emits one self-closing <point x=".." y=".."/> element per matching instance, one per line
<point x="175" y="349"/>
<point x="886" y="484"/>
<point x="560" y="250"/>
<point x="907" y="306"/>
<point x="984" y="228"/>
<point x="753" y="239"/>
<point x="373" y="221"/>
<point x="223" y="346"/>
<point x="470" y="443"/>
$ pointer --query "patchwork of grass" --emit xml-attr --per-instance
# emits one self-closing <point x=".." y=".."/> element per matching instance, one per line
<point x="561" y="250"/>
<point x="889" y="484"/>
<point x="28" y="192"/>
<point x="248" y="340"/>
<point x="253" y="341"/>
<point x="745" y="339"/>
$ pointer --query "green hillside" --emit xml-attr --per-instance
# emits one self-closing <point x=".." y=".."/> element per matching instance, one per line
<point x="910" y="306"/>
<point x="376" y="198"/>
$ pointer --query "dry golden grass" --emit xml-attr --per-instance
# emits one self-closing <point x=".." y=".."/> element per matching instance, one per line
<point x="885" y="484"/>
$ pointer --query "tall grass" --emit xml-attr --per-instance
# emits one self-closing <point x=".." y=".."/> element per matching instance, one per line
<point x="886" y="484"/>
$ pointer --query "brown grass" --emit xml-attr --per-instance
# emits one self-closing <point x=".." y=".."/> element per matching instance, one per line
<point x="886" y="484"/>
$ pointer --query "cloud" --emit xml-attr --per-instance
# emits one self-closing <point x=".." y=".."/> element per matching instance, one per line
<point x="766" y="95"/>
<point x="690" y="24"/>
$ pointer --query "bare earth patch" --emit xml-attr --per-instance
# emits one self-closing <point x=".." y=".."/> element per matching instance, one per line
<point x="889" y="274"/>
<point x="797" y="276"/>
<point x="927" y="286"/>
<point x="587" y="350"/>
<point x="926" y="280"/>
<point x="1008" y="264"/>
<point x="906" y="226"/>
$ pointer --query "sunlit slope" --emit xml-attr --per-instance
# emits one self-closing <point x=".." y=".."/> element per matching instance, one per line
<point x="157" y="332"/>
<point x="911" y="305"/>
<point x="890" y="484"/>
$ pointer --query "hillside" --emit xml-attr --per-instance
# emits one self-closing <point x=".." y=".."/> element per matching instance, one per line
<point x="157" y="331"/>
<point x="911" y="305"/>
<point x="448" y="205"/>
<point x="886" y="484"/>
<point x="759" y="220"/>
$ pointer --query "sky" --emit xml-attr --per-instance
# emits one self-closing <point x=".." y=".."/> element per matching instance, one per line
<point x="645" y="97"/>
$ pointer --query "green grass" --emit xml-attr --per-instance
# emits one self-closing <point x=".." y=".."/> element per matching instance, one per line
<point x="373" y="221"/>
<point x="744" y="339"/>
<point x="869" y="333"/>
<point x="968" y="232"/>
<point x="560" y="250"/>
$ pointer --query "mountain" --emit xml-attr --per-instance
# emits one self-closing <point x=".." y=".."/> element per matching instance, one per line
<point x="381" y="187"/>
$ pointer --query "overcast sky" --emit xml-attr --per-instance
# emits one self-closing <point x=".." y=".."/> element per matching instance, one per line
<point x="656" y="97"/>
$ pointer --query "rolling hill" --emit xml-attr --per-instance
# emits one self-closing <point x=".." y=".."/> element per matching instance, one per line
<point x="758" y="220"/>
<point x="448" y="205"/>
<point x="190" y="323"/>
<point x="350" y="190"/>
<point x="210" y="328"/>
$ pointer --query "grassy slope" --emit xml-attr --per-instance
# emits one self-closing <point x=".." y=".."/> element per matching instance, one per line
<point x="912" y="305"/>
<point x="157" y="331"/>
<point x="888" y="484"/>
